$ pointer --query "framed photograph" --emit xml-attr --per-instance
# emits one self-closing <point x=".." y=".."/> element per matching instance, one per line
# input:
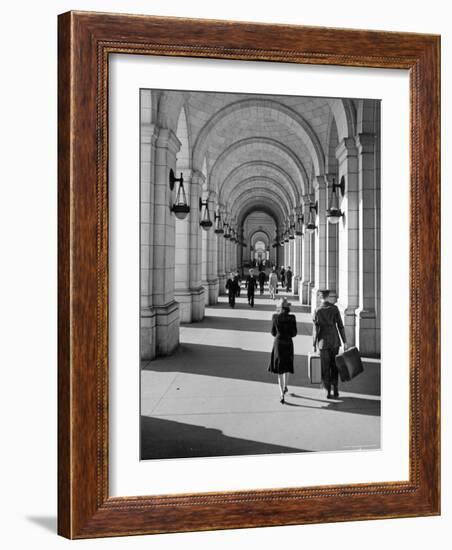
<point x="249" y="294"/>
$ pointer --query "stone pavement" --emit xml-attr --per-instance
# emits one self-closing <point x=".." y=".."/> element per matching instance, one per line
<point x="215" y="397"/>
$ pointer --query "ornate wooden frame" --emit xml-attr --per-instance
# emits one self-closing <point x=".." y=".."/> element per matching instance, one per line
<point x="85" y="42"/>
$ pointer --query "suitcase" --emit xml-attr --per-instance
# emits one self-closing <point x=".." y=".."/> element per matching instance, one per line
<point x="351" y="361"/>
<point x="342" y="369"/>
<point x="314" y="368"/>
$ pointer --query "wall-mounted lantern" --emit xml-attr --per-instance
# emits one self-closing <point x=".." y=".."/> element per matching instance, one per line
<point x="218" y="224"/>
<point x="206" y="222"/>
<point x="291" y="228"/>
<point x="180" y="206"/>
<point x="334" y="213"/>
<point x="227" y="231"/>
<point x="313" y="211"/>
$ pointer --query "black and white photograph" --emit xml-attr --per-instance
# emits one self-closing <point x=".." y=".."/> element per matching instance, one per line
<point x="260" y="274"/>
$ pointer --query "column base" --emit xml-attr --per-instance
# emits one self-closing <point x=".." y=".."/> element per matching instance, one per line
<point x="191" y="304"/>
<point x="368" y="333"/>
<point x="222" y="284"/>
<point x="305" y="294"/>
<point x="147" y="334"/>
<point x="211" y="288"/>
<point x="348" y="315"/>
<point x="295" y="285"/>
<point x="167" y="328"/>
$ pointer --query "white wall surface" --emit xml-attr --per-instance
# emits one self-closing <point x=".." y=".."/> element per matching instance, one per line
<point x="28" y="285"/>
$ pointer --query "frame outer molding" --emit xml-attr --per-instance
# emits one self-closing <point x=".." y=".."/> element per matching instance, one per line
<point x="84" y="42"/>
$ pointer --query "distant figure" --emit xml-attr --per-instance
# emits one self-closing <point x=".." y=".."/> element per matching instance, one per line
<point x="251" y="285"/>
<point x="327" y="322"/>
<point x="238" y="282"/>
<point x="273" y="284"/>
<point x="282" y="274"/>
<point x="284" y="328"/>
<point x="289" y="280"/>
<point x="262" y="279"/>
<point x="231" y="287"/>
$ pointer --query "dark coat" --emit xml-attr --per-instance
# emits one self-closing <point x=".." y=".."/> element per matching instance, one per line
<point x="251" y="284"/>
<point x="232" y="286"/>
<point x="262" y="277"/>
<point x="327" y="322"/>
<point x="284" y="328"/>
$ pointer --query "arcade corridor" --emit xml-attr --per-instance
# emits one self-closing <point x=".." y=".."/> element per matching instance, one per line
<point x="214" y="396"/>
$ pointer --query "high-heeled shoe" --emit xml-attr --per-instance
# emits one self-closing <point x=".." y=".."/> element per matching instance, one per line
<point x="282" y="400"/>
<point x="286" y="390"/>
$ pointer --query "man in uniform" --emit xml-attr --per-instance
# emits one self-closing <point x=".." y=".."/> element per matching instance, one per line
<point x="251" y="285"/>
<point x="327" y="327"/>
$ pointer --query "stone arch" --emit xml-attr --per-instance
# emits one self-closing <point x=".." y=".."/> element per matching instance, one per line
<point x="345" y="117"/>
<point x="332" y="141"/>
<point x="245" y="194"/>
<point x="183" y="156"/>
<point x="269" y="143"/>
<point x="264" y="167"/>
<point x="273" y="185"/>
<point x="285" y="114"/>
<point x="260" y="234"/>
<point x="263" y="204"/>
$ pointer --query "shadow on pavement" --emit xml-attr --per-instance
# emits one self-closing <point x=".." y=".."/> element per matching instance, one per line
<point x="239" y="364"/>
<point x="233" y="323"/>
<point x="161" y="438"/>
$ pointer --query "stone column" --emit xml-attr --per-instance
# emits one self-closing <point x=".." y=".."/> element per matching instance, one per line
<point x="321" y="197"/>
<point x="211" y="256"/>
<point x="332" y="246"/>
<point x="367" y="314"/>
<point x="221" y="273"/>
<point x="195" y="243"/>
<point x="298" y="262"/>
<point x="182" y="267"/>
<point x="307" y="282"/>
<point x="147" y="312"/>
<point x="348" y="287"/>
<point x="165" y="306"/>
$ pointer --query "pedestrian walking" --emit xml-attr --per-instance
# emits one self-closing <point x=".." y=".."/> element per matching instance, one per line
<point x="289" y="280"/>
<point x="262" y="279"/>
<point x="231" y="287"/>
<point x="282" y="274"/>
<point x="238" y="283"/>
<point x="284" y="328"/>
<point x="251" y="285"/>
<point x="273" y="284"/>
<point x="327" y="327"/>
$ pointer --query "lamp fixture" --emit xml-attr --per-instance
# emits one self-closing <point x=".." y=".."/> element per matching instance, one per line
<point x="206" y="222"/>
<point x="180" y="206"/>
<point x="218" y="224"/>
<point x="291" y="224"/>
<point x="313" y="211"/>
<point x="299" y="222"/>
<point x="334" y="213"/>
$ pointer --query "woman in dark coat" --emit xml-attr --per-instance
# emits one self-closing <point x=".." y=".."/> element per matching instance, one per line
<point x="284" y="328"/>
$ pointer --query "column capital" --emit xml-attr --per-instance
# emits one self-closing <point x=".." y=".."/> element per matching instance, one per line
<point x="346" y="148"/>
<point x="198" y="177"/>
<point x="307" y="199"/>
<point x="320" y="182"/>
<point x="168" y="139"/>
<point x="149" y="133"/>
<point x="365" y="143"/>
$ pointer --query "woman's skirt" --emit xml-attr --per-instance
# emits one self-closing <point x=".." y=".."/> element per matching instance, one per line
<point x="281" y="360"/>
